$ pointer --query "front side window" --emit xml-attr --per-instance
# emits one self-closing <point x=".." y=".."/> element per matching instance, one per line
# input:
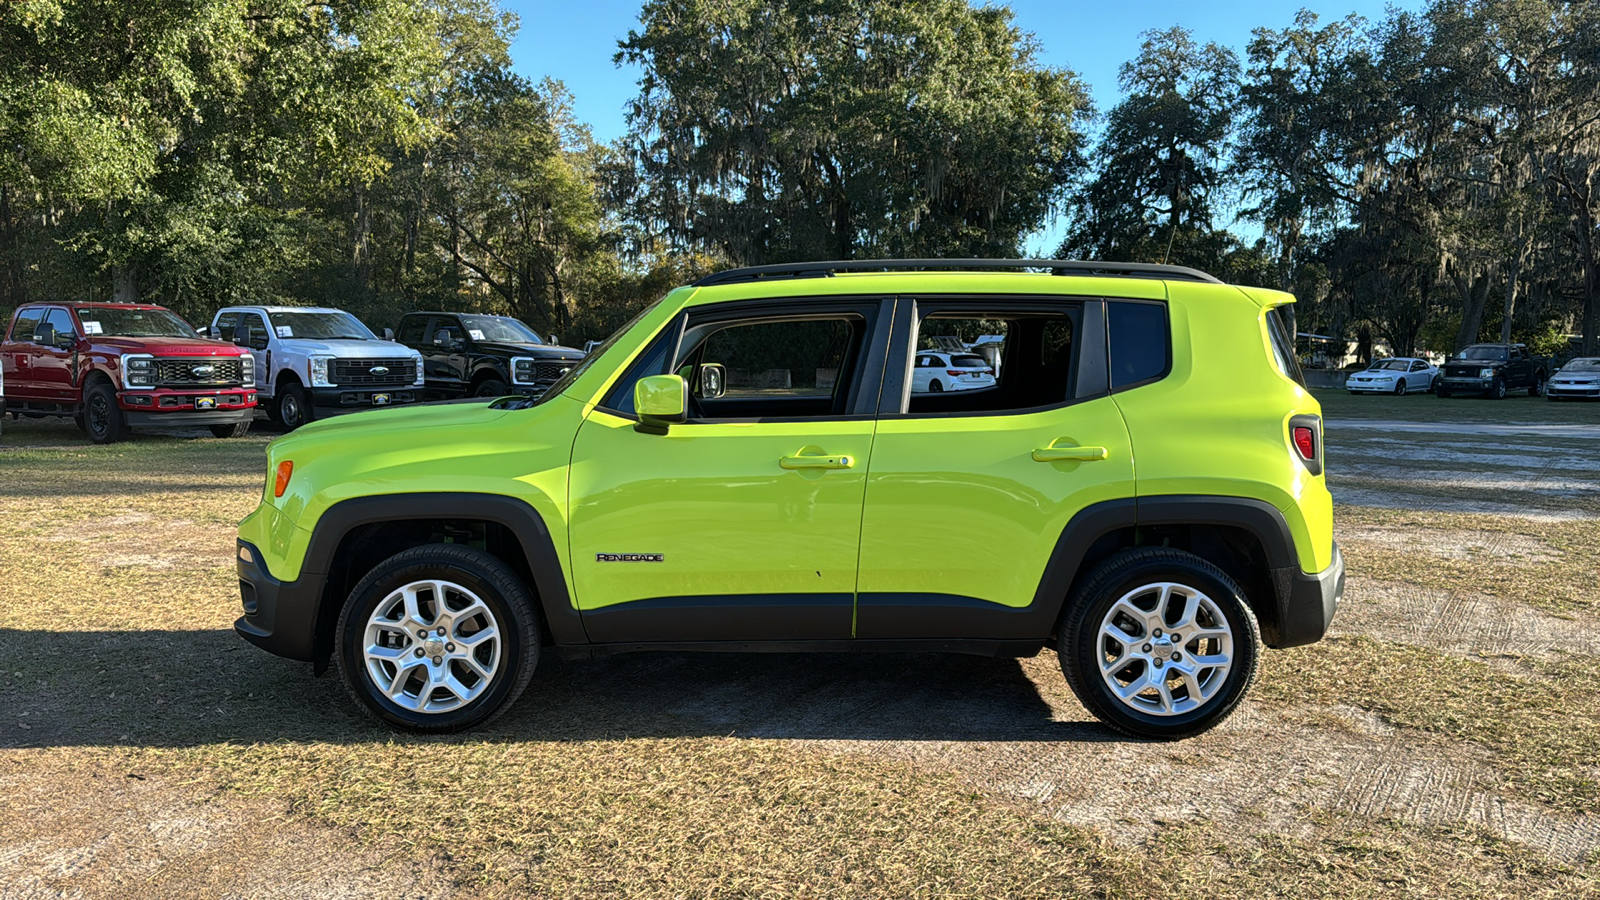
<point x="133" y="323"/>
<point x="1493" y="354"/>
<point x="786" y="368"/>
<point x="226" y="323"/>
<point x="58" y="319"/>
<point x="413" y="331"/>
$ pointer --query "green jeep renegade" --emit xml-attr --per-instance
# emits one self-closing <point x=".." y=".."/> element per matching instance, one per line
<point x="1117" y="461"/>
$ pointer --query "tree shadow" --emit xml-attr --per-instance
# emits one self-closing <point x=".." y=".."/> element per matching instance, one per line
<point x="189" y="688"/>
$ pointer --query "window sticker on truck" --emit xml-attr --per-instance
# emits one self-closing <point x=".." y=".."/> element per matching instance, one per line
<point x="476" y="334"/>
<point x="285" y="331"/>
<point x="92" y="328"/>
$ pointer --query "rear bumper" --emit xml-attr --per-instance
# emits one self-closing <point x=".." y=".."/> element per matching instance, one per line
<point x="1307" y="602"/>
<point x="355" y="398"/>
<point x="280" y="617"/>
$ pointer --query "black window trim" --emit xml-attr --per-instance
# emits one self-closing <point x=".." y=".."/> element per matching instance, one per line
<point x="1166" y="312"/>
<point x="1091" y="371"/>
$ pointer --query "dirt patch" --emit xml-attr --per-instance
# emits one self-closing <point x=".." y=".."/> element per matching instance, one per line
<point x="135" y="539"/>
<point x="104" y="831"/>
<point x="1447" y="543"/>
<point x="1460" y="622"/>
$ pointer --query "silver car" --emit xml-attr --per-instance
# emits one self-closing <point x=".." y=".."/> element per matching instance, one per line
<point x="1579" y="378"/>
<point x="1397" y="375"/>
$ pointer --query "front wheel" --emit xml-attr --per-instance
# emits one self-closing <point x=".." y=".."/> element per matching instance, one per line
<point x="494" y="387"/>
<point x="1400" y="388"/>
<point x="437" y="638"/>
<point x="102" y="419"/>
<point x="294" y="407"/>
<point x="237" y="429"/>
<point x="1537" y="388"/>
<point x="1498" y="392"/>
<point x="1159" y="643"/>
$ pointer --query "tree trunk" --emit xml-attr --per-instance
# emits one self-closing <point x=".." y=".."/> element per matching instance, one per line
<point x="1591" y="279"/>
<point x="1511" y="301"/>
<point x="1474" y="291"/>
<point x="124" y="285"/>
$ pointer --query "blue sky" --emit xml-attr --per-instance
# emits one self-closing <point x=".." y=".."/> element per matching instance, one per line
<point x="575" y="41"/>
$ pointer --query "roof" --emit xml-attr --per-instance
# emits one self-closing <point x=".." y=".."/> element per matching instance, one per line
<point x="1077" y="267"/>
<point x="96" y="305"/>
<point x="276" y="309"/>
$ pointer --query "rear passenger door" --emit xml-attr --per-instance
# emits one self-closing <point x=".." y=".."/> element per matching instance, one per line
<point x="16" y="354"/>
<point x="969" y="491"/>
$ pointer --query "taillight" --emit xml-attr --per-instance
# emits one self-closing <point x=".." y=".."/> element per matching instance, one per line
<point x="958" y="372"/>
<point x="1305" y="440"/>
<point x="285" y="469"/>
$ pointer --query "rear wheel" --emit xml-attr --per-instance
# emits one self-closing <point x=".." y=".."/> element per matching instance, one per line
<point x="1537" y="387"/>
<point x="102" y="420"/>
<point x="935" y="386"/>
<point x="1159" y="643"/>
<point x="237" y="429"/>
<point x="437" y="638"/>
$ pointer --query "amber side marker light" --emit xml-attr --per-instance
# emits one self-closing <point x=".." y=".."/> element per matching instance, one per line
<point x="285" y="469"/>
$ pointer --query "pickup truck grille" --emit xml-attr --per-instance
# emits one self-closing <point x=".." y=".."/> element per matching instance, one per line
<point x="351" y="372"/>
<point x="207" y="370"/>
<point x="548" y="372"/>
<point x="1462" y="371"/>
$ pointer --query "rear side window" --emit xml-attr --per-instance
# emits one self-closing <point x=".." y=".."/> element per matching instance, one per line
<point x="1279" y="329"/>
<point x="26" y="322"/>
<point x="1140" y="349"/>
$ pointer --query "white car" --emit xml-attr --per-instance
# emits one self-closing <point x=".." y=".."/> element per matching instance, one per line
<point x="1578" y="378"/>
<point x="936" y="371"/>
<point x="1397" y="375"/>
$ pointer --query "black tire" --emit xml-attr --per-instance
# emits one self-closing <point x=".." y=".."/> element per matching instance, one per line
<point x="102" y="419"/>
<point x="1433" y="385"/>
<point x="1498" y="392"/>
<point x="1537" y="388"/>
<point x="237" y="429"/>
<point x="293" y="406"/>
<point x="493" y="387"/>
<point x="935" y="387"/>
<point x="501" y="591"/>
<point x="1400" y="387"/>
<point x="1080" y="645"/>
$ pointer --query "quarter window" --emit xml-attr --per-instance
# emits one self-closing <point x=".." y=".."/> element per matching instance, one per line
<point x="1139" y="345"/>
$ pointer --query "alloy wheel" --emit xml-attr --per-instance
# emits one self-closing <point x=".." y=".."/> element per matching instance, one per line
<point x="432" y="646"/>
<point x="1165" y="649"/>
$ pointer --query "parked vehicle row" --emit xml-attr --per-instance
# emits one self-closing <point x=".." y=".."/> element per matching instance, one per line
<point x="1489" y="370"/>
<point x="116" y="366"/>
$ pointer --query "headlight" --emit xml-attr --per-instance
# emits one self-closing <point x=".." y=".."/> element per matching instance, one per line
<point x="418" y="382"/>
<point x="138" y="371"/>
<point x="1485" y="373"/>
<point x="522" y="369"/>
<point x="247" y="370"/>
<point x="319" y="371"/>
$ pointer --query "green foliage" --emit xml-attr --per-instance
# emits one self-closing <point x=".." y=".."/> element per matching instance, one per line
<point x="807" y="129"/>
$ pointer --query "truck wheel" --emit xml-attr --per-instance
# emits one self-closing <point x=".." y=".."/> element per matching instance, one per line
<point x="1159" y="643"/>
<point x="1498" y="392"/>
<point x="237" y="429"/>
<point x="494" y="387"/>
<point x="437" y="638"/>
<point x="294" y="407"/>
<point x="103" y="421"/>
<point x="1537" y="388"/>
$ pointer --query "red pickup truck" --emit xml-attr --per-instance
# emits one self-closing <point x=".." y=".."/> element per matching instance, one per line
<point x="112" y="366"/>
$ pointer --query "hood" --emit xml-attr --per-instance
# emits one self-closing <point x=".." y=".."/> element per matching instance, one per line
<point x="167" y="346"/>
<point x="348" y="349"/>
<point x="540" y="351"/>
<point x="407" y="419"/>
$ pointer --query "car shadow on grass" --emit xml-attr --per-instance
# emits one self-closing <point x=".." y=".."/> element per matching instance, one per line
<point x="189" y="688"/>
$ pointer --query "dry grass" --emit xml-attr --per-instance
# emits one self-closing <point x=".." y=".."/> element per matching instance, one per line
<point x="116" y="593"/>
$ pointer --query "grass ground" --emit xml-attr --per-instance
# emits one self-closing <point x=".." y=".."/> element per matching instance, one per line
<point x="1442" y="742"/>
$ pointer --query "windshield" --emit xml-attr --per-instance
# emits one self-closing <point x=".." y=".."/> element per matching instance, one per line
<point x="566" y="380"/>
<point x="133" y="323"/>
<point x="500" y="328"/>
<point x="1587" y="364"/>
<point x="1392" y="365"/>
<point x="1497" y="353"/>
<point x="327" y="326"/>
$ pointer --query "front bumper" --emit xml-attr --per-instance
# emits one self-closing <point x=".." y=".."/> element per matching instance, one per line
<point x="163" y="403"/>
<point x="190" y="418"/>
<point x="1383" y="387"/>
<point x="364" y="397"/>
<point x="1307" y="603"/>
<point x="280" y="617"/>
<point x="1466" y="385"/>
<point x="1560" y="389"/>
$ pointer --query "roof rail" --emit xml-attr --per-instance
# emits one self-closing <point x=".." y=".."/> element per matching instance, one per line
<point x="826" y="269"/>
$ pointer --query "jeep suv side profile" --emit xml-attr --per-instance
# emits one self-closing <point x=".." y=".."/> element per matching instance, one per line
<point x="315" y="361"/>
<point x="114" y="366"/>
<point x="745" y="466"/>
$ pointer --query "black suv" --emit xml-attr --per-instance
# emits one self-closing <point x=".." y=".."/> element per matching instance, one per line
<point x="472" y="355"/>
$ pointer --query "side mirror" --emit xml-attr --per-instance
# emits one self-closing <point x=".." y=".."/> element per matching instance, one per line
<point x="711" y="382"/>
<point x="44" y="335"/>
<point x="388" y="334"/>
<point x="661" y="401"/>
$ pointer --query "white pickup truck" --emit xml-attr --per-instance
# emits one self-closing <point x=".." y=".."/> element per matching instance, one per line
<point x="314" y="361"/>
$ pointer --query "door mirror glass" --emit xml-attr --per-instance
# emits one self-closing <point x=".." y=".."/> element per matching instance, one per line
<point x="661" y="401"/>
<point x="711" y="382"/>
